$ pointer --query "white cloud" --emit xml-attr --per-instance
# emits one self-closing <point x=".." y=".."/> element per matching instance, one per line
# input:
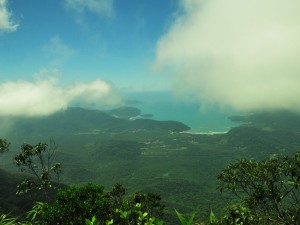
<point x="58" y="51"/>
<point x="100" y="7"/>
<point x="240" y="53"/>
<point x="45" y="96"/>
<point x="97" y="92"/>
<point x="6" y="23"/>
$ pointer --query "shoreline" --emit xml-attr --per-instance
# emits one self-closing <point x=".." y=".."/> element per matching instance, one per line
<point x="204" y="133"/>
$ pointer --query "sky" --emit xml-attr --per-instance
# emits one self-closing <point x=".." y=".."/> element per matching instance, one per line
<point x="233" y="53"/>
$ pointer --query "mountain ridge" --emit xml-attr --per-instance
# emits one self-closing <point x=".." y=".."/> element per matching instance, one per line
<point x="79" y="118"/>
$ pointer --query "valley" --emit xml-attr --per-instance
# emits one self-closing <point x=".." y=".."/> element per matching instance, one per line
<point x="151" y="156"/>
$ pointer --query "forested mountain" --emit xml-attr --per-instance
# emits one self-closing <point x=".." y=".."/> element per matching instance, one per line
<point x="151" y="156"/>
<point x="79" y="119"/>
<point x="17" y="205"/>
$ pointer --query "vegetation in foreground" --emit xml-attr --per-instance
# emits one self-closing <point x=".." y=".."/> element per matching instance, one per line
<point x="268" y="193"/>
<point x="146" y="157"/>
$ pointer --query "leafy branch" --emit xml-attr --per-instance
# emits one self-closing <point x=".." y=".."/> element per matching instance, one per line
<point x="37" y="160"/>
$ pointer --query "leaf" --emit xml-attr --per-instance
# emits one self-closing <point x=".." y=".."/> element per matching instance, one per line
<point x="184" y="221"/>
<point x="109" y="222"/>
<point x="212" y="217"/>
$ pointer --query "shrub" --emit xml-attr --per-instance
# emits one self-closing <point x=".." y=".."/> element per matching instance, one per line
<point x="76" y="205"/>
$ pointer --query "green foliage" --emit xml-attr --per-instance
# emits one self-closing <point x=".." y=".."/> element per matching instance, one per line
<point x="76" y="205"/>
<point x="4" y="145"/>
<point x="125" y="218"/>
<point x="38" y="161"/>
<point x="234" y="215"/>
<point x="239" y="215"/>
<point x="185" y="221"/>
<point x="212" y="217"/>
<point x="73" y="205"/>
<point x="270" y="188"/>
<point x="5" y="220"/>
<point x="180" y="166"/>
<point x="135" y="216"/>
<point x="9" y="202"/>
<point x="37" y="209"/>
<point x="94" y="221"/>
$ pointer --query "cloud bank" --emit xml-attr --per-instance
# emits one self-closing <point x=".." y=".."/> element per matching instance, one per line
<point x="238" y="53"/>
<point x="44" y="97"/>
<point x="6" y="23"/>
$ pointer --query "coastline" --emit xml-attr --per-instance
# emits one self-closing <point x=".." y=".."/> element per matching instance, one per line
<point x="204" y="133"/>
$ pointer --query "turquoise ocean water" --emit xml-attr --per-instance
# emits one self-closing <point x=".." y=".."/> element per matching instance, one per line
<point x="163" y="106"/>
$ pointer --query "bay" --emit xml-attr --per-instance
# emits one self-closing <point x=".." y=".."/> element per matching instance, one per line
<point x="164" y="106"/>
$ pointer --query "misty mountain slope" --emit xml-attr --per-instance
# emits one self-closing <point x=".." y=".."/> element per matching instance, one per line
<point x="79" y="119"/>
<point x="266" y="133"/>
<point x="274" y="120"/>
<point x="150" y="155"/>
<point x="258" y="139"/>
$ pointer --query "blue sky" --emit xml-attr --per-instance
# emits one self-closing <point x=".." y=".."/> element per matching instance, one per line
<point x="240" y="54"/>
<point x="113" y="41"/>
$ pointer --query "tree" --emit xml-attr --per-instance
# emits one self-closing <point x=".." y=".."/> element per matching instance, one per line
<point x="270" y="188"/>
<point x="75" y="205"/>
<point x="4" y="145"/>
<point x="37" y="160"/>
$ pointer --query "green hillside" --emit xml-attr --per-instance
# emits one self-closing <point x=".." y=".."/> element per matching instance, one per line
<point x="151" y="156"/>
